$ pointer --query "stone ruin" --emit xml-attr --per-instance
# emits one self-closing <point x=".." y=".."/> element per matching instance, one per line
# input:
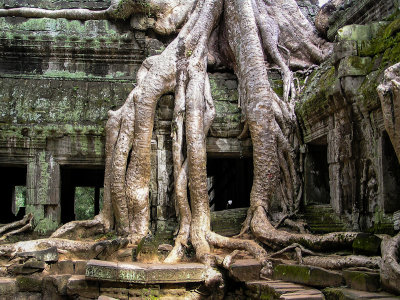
<point x="58" y="79"/>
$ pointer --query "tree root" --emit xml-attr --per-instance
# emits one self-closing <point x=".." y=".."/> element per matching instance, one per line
<point x="265" y="232"/>
<point x="69" y="248"/>
<point x="390" y="267"/>
<point x="336" y="262"/>
<point x="24" y="224"/>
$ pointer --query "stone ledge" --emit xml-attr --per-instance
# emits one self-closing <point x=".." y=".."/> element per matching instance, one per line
<point x="145" y="273"/>
<point x="308" y="275"/>
<point x="350" y="294"/>
<point x="276" y="289"/>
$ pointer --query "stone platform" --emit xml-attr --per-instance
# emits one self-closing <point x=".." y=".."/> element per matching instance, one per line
<point x="145" y="273"/>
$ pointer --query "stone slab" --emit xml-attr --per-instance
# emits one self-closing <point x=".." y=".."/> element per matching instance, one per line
<point x="79" y="285"/>
<point x="245" y="270"/>
<point x="276" y="289"/>
<point x="8" y="286"/>
<point x="145" y="273"/>
<point x="350" y="294"/>
<point x="363" y="281"/>
<point x="308" y="275"/>
<point x="46" y="255"/>
<point x="367" y="244"/>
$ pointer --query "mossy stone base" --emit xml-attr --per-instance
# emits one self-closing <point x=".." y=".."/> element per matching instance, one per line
<point x="364" y="281"/>
<point x="145" y="273"/>
<point x="350" y="294"/>
<point x="308" y="275"/>
<point x="367" y="244"/>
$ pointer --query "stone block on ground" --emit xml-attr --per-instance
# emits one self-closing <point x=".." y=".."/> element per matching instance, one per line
<point x="72" y="267"/>
<point x="276" y="289"/>
<point x="361" y="280"/>
<point x="245" y="270"/>
<point x="79" y="285"/>
<point x="7" y="286"/>
<point x="29" y="283"/>
<point x="145" y="273"/>
<point x="308" y="275"/>
<point x="367" y="244"/>
<point x="47" y="255"/>
<point x="354" y="66"/>
<point x="106" y="298"/>
<point x="350" y="294"/>
<point x="55" y="285"/>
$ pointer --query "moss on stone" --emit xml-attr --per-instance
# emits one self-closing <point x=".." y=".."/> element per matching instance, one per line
<point x="316" y="102"/>
<point x="46" y="226"/>
<point x="29" y="283"/>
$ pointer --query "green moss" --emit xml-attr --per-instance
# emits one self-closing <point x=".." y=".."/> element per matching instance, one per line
<point x="37" y="211"/>
<point x="44" y="175"/>
<point x="383" y="224"/>
<point x="317" y="102"/>
<point x="29" y="283"/>
<point x="300" y="273"/>
<point x="386" y="44"/>
<point x="46" y="226"/>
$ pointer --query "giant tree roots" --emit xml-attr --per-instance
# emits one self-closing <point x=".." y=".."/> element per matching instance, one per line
<point x="242" y="34"/>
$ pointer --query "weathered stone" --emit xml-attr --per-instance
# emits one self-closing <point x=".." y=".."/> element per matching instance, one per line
<point x="8" y="286"/>
<point x="228" y="222"/>
<point x="364" y="281"/>
<point x="355" y="33"/>
<point x="55" y="286"/>
<point x="276" y="289"/>
<point x="308" y="275"/>
<point x="165" y="247"/>
<point x="102" y="270"/>
<point x="24" y="296"/>
<point x="145" y="273"/>
<point x="367" y="244"/>
<point x="106" y="298"/>
<point x="245" y="270"/>
<point x="344" y="49"/>
<point x="78" y="285"/>
<point x="354" y="66"/>
<point x="31" y="266"/>
<point x="46" y="255"/>
<point x="350" y="294"/>
<point x="29" y="283"/>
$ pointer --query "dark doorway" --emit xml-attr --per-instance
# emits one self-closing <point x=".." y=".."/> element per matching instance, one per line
<point x="13" y="193"/>
<point x="229" y="182"/>
<point x="317" y="175"/>
<point x="81" y="191"/>
<point x="391" y="176"/>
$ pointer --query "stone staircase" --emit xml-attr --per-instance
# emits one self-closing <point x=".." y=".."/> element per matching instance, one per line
<point x="291" y="281"/>
<point x="323" y="219"/>
<point x="103" y="280"/>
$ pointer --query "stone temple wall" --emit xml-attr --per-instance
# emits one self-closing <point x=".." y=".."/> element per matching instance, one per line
<point x="360" y="12"/>
<point x="58" y="79"/>
<point x="341" y="118"/>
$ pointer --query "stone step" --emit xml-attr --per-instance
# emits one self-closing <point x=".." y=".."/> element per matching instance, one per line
<point x="245" y="270"/>
<point x="350" y="294"/>
<point x="308" y="275"/>
<point x="323" y="219"/>
<point x="277" y="289"/>
<point x="363" y="281"/>
<point x="8" y="286"/>
<point x="145" y="273"/>
<point x="72" y="267"/>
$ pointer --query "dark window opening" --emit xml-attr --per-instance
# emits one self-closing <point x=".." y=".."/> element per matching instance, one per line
<point x="81" y="193"/>
<point x="229" y="182"/>
<point x="317" y="189"/>
<point x="13" y="193"/>
<point x="391" y="176"/>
